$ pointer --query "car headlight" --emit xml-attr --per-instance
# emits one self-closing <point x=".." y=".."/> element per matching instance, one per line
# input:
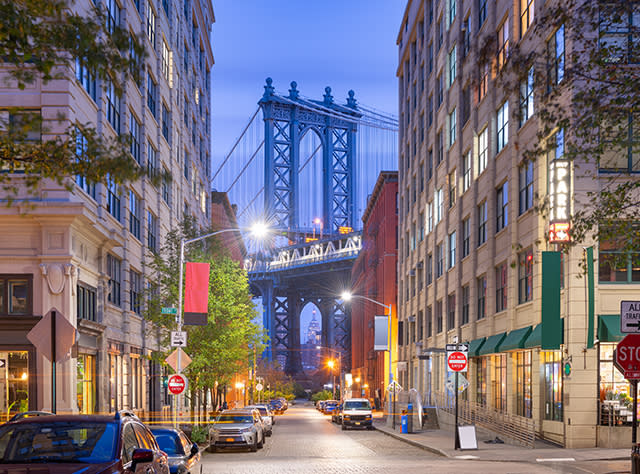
<point x="368" y="417"/>
<point x="246" y="430"/>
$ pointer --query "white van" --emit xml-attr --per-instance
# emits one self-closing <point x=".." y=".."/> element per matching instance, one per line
<point x="357" y="412"/>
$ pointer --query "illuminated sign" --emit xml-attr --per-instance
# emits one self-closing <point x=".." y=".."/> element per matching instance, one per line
<point x="559" y="232"/>
<point x="310" y="239"/>
<point x="559" y="200"/>
<point x="345" y="229"/>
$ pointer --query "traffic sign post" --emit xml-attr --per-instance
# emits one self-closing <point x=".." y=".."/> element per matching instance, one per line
<point x="457" y="361"/>
<point x="626" y="358"/>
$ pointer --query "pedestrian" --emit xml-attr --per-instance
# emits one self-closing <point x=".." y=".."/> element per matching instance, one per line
<point x="224" y="405"/>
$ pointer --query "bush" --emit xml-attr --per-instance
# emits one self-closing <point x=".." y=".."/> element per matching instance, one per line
<point x="322" y="395"/>
<point x="199" y="434"/>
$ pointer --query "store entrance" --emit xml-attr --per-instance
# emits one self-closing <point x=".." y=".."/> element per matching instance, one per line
<point x="14" y="383"/>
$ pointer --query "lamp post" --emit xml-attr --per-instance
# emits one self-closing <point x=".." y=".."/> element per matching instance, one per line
<point x="347" y="296"/>
<point x="258" y="229"/>
<point x="331" y="364"/>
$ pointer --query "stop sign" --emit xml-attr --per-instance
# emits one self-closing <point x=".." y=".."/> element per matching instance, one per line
<point x="177" y="384"/>
<point x="457" y="361"/>
<point x="627" y="356"/>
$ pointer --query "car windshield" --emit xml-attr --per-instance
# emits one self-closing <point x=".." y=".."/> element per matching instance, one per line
<point x="58" y="441"/>
<point x="168" y="442"/>
<point x="262" y="410"/>
<point x="234" y="419"/>
<point x="357" y="405"/>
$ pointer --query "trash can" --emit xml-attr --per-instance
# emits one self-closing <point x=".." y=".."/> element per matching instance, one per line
<point x="404" y="422"/>
<point x="635" y="459"/>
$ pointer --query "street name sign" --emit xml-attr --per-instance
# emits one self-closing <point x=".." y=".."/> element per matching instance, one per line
<point x="178" y="339"/>
<point x="169" y="311"/>
<point x="626" y="357"/>
<point x="177" y="384"/>
<point x="630" y="316"/>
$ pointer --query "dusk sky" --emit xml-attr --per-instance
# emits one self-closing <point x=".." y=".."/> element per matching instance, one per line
<point x="344" y="44"/>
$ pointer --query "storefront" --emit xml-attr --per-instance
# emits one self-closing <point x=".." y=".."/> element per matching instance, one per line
<point x="17" y="390"/>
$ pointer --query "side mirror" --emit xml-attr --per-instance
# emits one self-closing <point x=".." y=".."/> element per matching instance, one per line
<point x="141" y="456"/>
<point x="194" y="449"/>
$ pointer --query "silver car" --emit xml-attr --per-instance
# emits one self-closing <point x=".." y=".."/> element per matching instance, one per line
<point x="237" y="428"/>
<point x="267" y="418"/>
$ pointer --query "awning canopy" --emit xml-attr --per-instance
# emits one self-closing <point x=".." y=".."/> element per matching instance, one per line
<point x="515" y="339"/>
<point x="535" y="338"/>
<point x="609" y="328"/>
<point x="475" y="345"/>
<point x="492" y="344"/>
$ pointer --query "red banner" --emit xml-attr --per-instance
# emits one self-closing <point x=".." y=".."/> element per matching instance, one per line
<point x="196" y="294"/>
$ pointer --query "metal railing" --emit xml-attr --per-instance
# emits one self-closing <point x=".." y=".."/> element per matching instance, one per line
<point x="519" y="429"/>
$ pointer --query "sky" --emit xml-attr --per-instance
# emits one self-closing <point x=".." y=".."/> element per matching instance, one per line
<point x="344" y="44"/>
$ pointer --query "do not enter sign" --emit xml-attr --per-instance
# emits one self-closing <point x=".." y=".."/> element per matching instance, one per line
<point x="177" y="384"/>
<point x="457" y="361"/>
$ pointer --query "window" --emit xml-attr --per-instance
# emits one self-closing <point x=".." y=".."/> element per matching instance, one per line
<point x="620" y="132"/>
<point x="452" y="12"/>
<point x="421" y="227"/>
<point x="413" y="236"/>
<point x="527" y="9"/>
<point x="429" y="270"/>
<point x="420" y="323"/>
<point x="451" y="312"/>
<point x="482" y="297"/>
<point x="452" y="188"/>
<point x="483" y="150"/>
<point x="499" y="382"/>
<point x="482" y="223"/>
<point x="502" y="204"/>
<point x="526" y="187"/>
<point x="466" y="35"/>
<point x="166" y="123"/>
<point x="439" y="260"/>
<point x="16" y="295"/>
<point x="619" y="35"/>
<point x="134" y="214"/>
<point x="466" y="171"/>
<point x="452" y="66"/>
<point x="430" y="217"/>
<point x="114" y="269"/>
<point x="166" y="187"/>
<point x="440" y="32"/>
<point x="152" y="159"/>
<point x="452" y="249"/>
<point x="523" y="383"/>
<point x="440" y="145"/>
<point x="82" y="182"/>
<point x="481" y="380"/>
<point x="439" y="205"/>
<point x="466" y="105"/>
<point x="430" y="164"/>
<point x="166" y="63"/>
<point x="501" y="287"/>
<point x="152" y="94"/>
<point x="482" y="11"/>
<point x="439" y="316"/>
<point x="452" y="127"/>
<point x="113" y="198"/>
<point x="135" y="66"/>
<point x="113" y="106"/>
<point x="429" y="322"/>
<point x="113" y="15"/>
<point x="151" y="25"/>
<point x="503" y="126"/>
<point x="525" y="276"/>
<point x="466" y="236"/>
<point x="465" y="305"/>
<point x="87" y="78"/>
<point x="503" y="43"/>
<point x="430" y="111"/>
<point x="555" y="58"/>
<point x="152" y="231"/>
<point x="526" y="97"/>
<point x="552" y="395"/>
<point x="483" y="85"/>
<point x="135" y="291"/>
<point x="401" y="333"/>
<point x="421" y="177"/>
<point x="430" y="58"/>
<point x="614" y="265"/>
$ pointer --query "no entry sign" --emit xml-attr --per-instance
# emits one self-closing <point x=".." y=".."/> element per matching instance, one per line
<point x="177" y="384"/>
<point x="457" y="361"/>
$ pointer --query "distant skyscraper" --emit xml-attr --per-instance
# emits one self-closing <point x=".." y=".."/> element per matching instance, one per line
<point x="313" y="331"/>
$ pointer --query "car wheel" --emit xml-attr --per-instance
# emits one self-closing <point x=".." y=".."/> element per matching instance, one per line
<point x="212" y="449"/>
<point x="269" y="433"/>
<point x="261" y="443"/>
<point x="254" y="446"/>
<point x="370" y="427"/>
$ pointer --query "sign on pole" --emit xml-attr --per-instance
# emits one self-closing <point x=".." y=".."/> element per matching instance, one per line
<point x="259" y="387"/>
<point x="178" y="339"/>
<point x="172" y="360"/>
<point x="177" y="384"/>
<point x="630" y="316"/>
<point x="457" y="360"/>
<point x="169" y="311"/>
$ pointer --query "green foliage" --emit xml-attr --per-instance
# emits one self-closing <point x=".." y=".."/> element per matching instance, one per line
<point x="199" y="433"/>
<point x="322" y="395"/>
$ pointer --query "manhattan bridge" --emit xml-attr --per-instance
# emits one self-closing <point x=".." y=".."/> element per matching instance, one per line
<point x="307" y="167"/>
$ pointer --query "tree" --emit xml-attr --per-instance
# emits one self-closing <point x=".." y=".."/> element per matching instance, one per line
<point x="46" y="40"/>
<point x="576" y="69"/>
<point x="225" y="346"/>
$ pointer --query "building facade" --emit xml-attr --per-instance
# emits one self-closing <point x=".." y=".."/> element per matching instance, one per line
<point x="374" y="276"/>
<point x="475" y="263"/>
<point x="85" y="251"/>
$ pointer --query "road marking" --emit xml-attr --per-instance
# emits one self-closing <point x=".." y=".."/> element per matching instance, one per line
<point x="555" y="459"/>
<point x="468" y="456"/>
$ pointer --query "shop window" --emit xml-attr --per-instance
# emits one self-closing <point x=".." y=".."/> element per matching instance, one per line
<point x="523" y="383"/>
<point x="615" y="390"/>
<point x="481" y="382"/>
<point x="138" y="375"/>
<point x="499" y="382"/>
<point x="16" y="295"/>
<point x="115" y="381"/>
<point x="552" y="390"/>
<point x="86" y="384"/>
<point x="14" y="378"/>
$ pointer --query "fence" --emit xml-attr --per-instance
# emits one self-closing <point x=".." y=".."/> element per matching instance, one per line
<point x="519" y="429"/>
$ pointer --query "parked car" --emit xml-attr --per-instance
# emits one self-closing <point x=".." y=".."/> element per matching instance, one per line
<point x="320" y="405"/>
<point x="356" y="412"/>
<point x="330" y="406"/>
<point x="267" y="418"/>
<point x="184" y="456"/>
<point x="239" y="428"/>
<point x="336" y="416"/>
<point x="95" y="444"/>
<point x="27" y="414"/>
<point x="276" y="406"/>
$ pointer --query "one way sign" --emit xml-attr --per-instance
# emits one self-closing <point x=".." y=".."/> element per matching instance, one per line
<point x="630" y="316"/>
<point x="178" y="339"/>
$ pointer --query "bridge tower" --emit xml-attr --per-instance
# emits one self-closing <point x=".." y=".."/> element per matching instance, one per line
<point x="284" y="294"/>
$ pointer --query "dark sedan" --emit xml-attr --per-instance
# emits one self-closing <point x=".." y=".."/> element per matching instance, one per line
<point x="184" y="456"/>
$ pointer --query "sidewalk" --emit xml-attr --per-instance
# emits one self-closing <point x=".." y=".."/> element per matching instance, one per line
<point x="441" y="441"/>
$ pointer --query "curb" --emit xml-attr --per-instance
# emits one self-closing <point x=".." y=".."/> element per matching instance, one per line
<point x="413" y="443"/>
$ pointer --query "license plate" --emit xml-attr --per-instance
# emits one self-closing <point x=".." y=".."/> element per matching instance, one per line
<point x="357" y="422"/>
<point x="229" y="440"/>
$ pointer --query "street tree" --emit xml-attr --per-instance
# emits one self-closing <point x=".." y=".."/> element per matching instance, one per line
<point x="47" y="40"/>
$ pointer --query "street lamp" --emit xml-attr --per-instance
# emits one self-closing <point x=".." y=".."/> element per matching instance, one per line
<point x="347" y="296"/>
<point x="259" y="229"/>
<point x="331" y="365"/>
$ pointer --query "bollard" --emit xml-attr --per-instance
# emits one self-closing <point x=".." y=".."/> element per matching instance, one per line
<point x="404" y="419"/>
<point x="635" y="459"/>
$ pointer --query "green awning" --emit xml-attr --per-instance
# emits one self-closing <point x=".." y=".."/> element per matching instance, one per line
<point x="492" y="344"/>
<point x="515" y="339"/>
<point x="609" y="328"/>
<point x="475" y="345"/>
<point x="535" y="338"/>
